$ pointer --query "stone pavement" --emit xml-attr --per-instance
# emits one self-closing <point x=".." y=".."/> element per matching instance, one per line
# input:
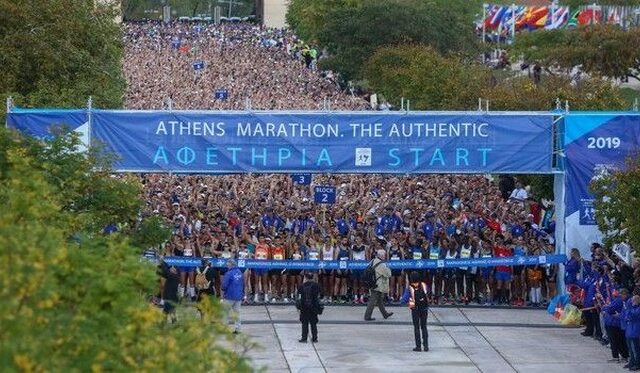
<point x="460" y="340"/>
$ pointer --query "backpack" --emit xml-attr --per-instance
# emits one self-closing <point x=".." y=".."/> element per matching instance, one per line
<point x="369" y="275"/>
<point x="201" y="279"/>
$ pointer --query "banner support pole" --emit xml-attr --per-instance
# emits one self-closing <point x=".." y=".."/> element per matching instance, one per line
<point x="561" y="246"/>
<point x="89" y="120"/>
<point x="10" y="107"/>
<point x="484" y="27"/>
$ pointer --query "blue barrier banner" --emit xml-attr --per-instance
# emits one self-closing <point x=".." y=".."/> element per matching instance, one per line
<point x="344" y="142"/>
<point x="362" y="264"/>
<point x="595" y="145"/>
<point x="42" y="123"/>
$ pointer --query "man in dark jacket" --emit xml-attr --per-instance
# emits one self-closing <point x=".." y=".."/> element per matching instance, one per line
<point x="309" y="305"/>
<point x="170" y="290"/>
<point x="419" y="306"/>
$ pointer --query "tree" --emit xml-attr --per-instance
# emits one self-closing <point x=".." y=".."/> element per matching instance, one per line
<point x="603" y="50"/>
<point x="429" y="80"/>
<point x="308" y="17"/>
<point x="79" y="304"/>
<point x="617" y="202"/>
<point x="59" y="53"/>
<point x="434" y="82"/>
<point x="352" y="34"/>
<point x="521" y="93"/>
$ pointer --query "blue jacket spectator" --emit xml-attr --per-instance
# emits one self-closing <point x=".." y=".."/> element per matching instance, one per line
<point x="633" y="320"/>
<point x="233" y="284"/>
<point x="612" y="312"/>
<point x="572" y="268"/>
<point x="589" y="286"/>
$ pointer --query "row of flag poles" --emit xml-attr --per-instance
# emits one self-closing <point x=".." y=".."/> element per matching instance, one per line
<point x="505" y="20"/>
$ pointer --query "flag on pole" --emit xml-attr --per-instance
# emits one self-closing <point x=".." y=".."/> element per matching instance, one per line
<point x="559" y="19"/>
<point x="491" y="10"/>
<point x="590" y="15"/>
<point x="507" y="20"/>
<point x="497" y="17"/>
<point x="615" y="16"/>
<point x="531" y="17"/>
<point x="573" y="21"/>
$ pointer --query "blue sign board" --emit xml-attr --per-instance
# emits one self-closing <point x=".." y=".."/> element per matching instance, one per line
<point x="175" y="44"/>
<point x="312" y="142"/>
<point x="182" y="261"/>
<point x="301" y="179"/>
<point x="221" y="94"/>
<point x="198" y="65"/>
<point x="324" y="194"/>
<point x="595" y="145"/>
<point x="42" y="124"/>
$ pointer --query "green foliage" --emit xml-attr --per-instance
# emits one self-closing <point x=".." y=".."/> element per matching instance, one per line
<point x="79" y="305"/>
<point x="541" y="185"/>
<point x="151" y="232"/>
<point x="604" y="50"/>
<point x="434" y="82"/>
<point x="618" y="205"/>
<point x="353" y="31"/>
<point x="420" y="74"/>
<point x="60" y="53"/>
<point x="308" y="17"/>
<point x="521" y="93"/>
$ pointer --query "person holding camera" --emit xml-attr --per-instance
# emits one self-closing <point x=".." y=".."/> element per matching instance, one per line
<point x="308" y="304"/>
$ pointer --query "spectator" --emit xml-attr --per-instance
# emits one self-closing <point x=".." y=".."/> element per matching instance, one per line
<point x="519" y="194"/>
<point x="612" y="313"/>
<point x="382" y="274"/>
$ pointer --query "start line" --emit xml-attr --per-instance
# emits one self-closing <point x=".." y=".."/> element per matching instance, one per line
<point x="362" y="264"/>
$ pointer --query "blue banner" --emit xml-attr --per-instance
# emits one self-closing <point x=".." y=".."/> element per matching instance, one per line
<point x="41" y="124"/>
<point x="362" y="264"/>
<point x="595" y="145"/>
<point x="346" y="142"/>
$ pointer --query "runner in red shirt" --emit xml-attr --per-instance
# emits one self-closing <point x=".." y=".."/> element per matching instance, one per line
<point x="503" y="273"/>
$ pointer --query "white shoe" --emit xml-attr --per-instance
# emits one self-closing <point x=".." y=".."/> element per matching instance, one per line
<point x="255" y="298"/>
<point x="286" y="300"/>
